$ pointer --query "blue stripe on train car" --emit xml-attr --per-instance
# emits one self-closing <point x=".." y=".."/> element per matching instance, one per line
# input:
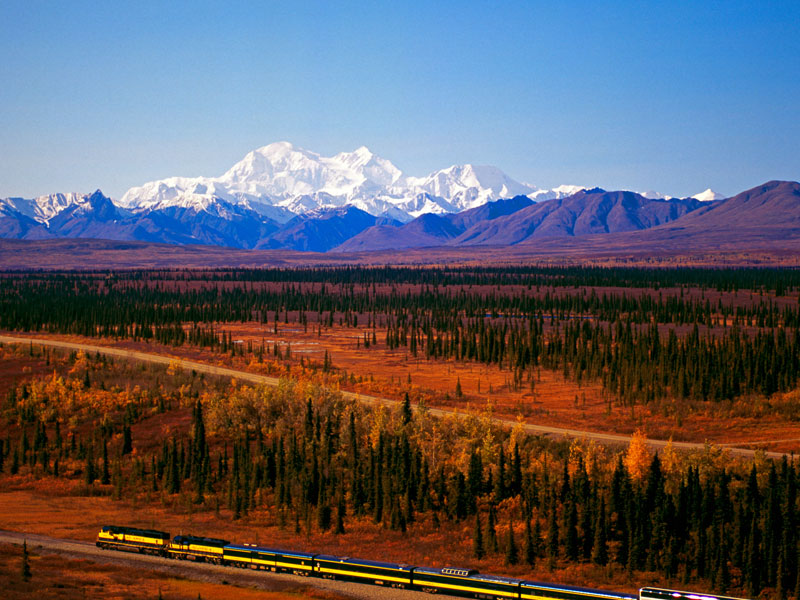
<point x="377" y="572"/>
<point x="466" y="582"/>
<point x="538" y="589"/>
<point x="263" y="549"/>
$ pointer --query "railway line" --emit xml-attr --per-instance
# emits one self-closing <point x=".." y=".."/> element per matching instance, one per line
<point x="204" y="572"/>
<point x="547" y="430"/>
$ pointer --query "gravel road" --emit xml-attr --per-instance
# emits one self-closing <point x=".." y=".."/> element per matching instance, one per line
<point x="263" y="580"/>
<point x="601" y="437"/>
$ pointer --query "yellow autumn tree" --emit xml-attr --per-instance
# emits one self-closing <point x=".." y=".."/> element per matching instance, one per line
<point x="638" y="457"/>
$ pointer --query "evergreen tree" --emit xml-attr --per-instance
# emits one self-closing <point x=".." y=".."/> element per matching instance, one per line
<point x="405" y="413"/>
<point x="478" y="550"/>
<point x="754" y="559"/>
<point x="552" y="538"/>
<point x="127" y="440"/>
<point x="797" y="586"/>
<point x="571" y="539"/>
<point x="491" y="530"/>
<point x="600" y="549"/>
<point x="26" y="567"/>
<point x="512" y="555"/>
<point x="530" y="544"/>
<point x="340" y="511"/>
<point x="106" y="477"/>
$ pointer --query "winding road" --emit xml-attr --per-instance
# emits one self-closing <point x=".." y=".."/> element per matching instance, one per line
<point x="559" y="432"/>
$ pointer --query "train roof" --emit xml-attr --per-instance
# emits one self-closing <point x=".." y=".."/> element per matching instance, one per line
<point x="467" y="574"/>
<point x="198" y="539"/>
<point x="364" y="562"/>
<point x="254" y="548"/>
<point x="123" y="529"/>
<point x="572" y="588"/>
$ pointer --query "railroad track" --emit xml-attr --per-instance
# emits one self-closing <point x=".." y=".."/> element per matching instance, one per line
<point x="204" y="572"/>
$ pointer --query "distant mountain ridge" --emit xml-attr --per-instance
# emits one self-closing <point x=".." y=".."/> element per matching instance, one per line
<point x="591" y="220"/>
<point x="283" y="197"/>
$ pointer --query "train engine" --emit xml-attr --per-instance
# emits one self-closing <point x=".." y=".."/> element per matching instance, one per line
<point x="129" y="539"/>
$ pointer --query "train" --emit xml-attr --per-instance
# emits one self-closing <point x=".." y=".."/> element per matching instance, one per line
<point x="452" y="581"/>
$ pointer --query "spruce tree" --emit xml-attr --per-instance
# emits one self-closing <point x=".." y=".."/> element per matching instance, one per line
<point x="478" y="550"/>
<point x="26" y="567"/>
<point x="530" y="544"/>
<point x="106" y="478"/>
<point x="571" y="539"/>
<point x="797" y="586"/>
<point x="753" y="565"/>
<point x="512" y="555"/>
<point x="405" y="413"/>
<point x="340" y="511"/>
<point x="600" y="549"/>
<point x="491" y="531"/>
<point x="552" y="539"/>
<point x="127" y="441"/>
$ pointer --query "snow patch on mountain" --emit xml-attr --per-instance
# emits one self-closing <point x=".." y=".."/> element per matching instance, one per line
<point x="281" y="180"/>
<point x="562" y="191"/>
<point x="43" y="208"/>
<point x="708" y="195"/>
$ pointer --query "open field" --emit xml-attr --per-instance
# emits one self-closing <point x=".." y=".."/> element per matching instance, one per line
<point x="604" y="250"/>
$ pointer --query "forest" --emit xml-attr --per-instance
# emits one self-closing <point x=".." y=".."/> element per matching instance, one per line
<point x="303" y="463"/>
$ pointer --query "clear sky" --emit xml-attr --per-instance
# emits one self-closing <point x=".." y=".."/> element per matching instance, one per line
<point x="666" y="96"/>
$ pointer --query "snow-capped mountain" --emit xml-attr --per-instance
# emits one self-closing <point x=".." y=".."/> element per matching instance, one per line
<point x="708" y="195"/>
<point x="282" y="196"/>
<point x="281" y="180"/>
<point x="562" y="191"/>
<point x="43" y="208"/>
<point x="653" y="195"/>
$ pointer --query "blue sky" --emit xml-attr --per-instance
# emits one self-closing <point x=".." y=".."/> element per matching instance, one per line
<point x="672" y="96"/>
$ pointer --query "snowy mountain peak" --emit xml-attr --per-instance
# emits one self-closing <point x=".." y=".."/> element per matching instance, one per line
<point x="45" y="208"/>
<point x="708" y="195"/>
<point x="653" y="195"/>
<point x="284" y="177"/>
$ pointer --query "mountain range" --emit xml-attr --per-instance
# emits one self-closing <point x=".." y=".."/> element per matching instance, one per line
<point x="283" y="197"/>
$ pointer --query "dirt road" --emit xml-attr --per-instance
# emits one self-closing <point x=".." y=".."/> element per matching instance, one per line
<point x="601" y="437"/>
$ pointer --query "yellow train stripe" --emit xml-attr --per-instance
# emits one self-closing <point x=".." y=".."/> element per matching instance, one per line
<point x="209" y="549"/>
<point x="465" y="588"/>
<point x="364" y="575"/>
<point x="293" y="566"/>
<point x="256" y="561"/>
<point x="531" y="596"/>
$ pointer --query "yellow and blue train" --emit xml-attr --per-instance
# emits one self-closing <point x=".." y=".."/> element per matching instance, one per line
<point x="448" y="580"/>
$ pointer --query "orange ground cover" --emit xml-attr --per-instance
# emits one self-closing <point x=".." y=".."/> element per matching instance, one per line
<point x="554" y="400"/>
<point x="56" y="577"/>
